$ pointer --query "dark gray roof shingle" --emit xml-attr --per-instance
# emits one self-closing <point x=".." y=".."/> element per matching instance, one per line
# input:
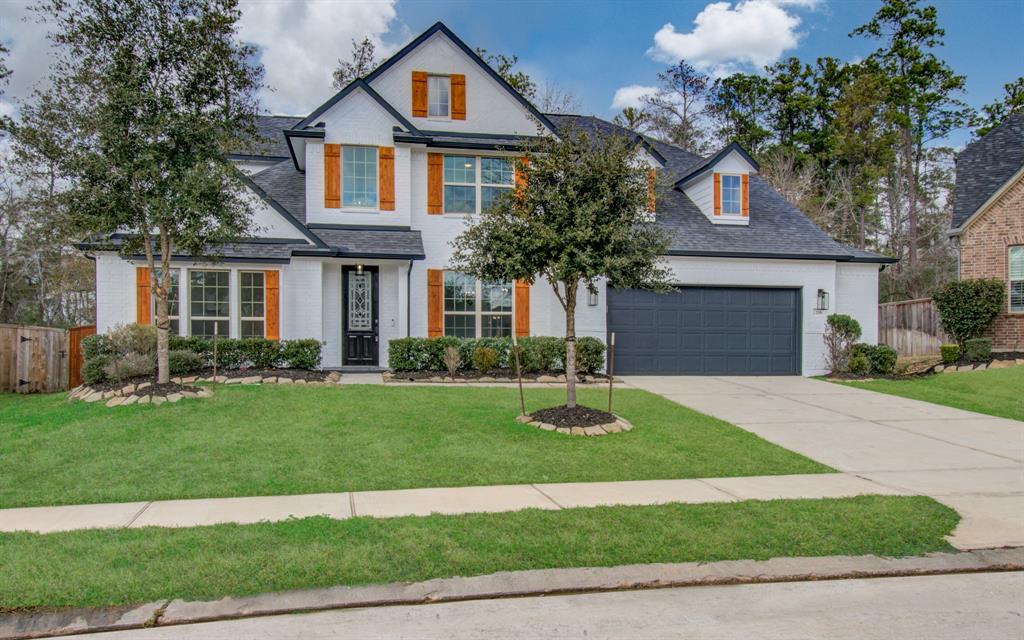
<point x="986" y="165"/>
<point x="776" y="227"/>
<point x="270" y="142"/>
<point x="286" y="186"/>
<point x="400" y="242"/>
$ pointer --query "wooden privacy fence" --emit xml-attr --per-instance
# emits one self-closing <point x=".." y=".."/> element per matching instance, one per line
<point x="911" y="327"/>
<point x="40" y="359"/>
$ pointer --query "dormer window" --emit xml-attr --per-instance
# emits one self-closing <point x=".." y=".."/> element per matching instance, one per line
<point x="732" y="195"/>
<point x="439" y="96"/>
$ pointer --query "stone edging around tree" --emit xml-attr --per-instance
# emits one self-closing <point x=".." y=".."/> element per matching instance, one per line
<point x="136" y="393"/>
<point x="620" y="425"/>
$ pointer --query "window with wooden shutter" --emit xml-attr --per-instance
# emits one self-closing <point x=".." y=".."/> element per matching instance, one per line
<point x="458" y="96"/>
<point x="332" y="176"/>
<point x="272" y="284"/>
<point x="435" y="303"/>
<point x="652" y="181"/>
<point x="435" y="183"/>
<point x="387" y="178"/>
<point x="143" y="306"/>
<point x="419" y="94"/>
<point x="522" y="307"/>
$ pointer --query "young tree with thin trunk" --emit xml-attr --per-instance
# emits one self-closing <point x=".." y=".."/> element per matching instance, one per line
<point x="362" y="61"/>
<point x="579" y="214"/>
<point x="676" y="111"/>
<point x="145" y="99"/>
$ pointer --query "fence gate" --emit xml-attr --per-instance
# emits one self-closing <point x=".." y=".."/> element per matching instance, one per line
<point x="75" y="359"/>
<point x="33" y="359"/>
<point x="911" y="327"/>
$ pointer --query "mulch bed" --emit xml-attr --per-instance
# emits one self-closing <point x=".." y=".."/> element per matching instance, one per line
<point x="578" y="416"/>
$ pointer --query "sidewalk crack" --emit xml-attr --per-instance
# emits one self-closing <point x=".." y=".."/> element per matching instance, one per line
<point x="139" y="513"/>
<point x="541" y="492"/>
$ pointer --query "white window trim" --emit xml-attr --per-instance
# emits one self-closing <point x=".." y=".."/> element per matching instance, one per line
<point x="1010" y="280"/>
<point x="153" y="301"/>
<point x="375" y="208"/>
<point x="721" y="195"/>
<point x="478" y="184"/>
<point x="447" y="77"/>
<point x="242" y="318"/>
<point x="478" y="312"/>
<point x="191" y="317"/>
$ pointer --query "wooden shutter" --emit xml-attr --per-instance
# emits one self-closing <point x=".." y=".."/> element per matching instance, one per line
<point x="745" y="196"/>
<point x="435" y="303"/>
<point x="435" y="183"/>
<point x="143" y="298"/>
<point x="718" y="194"/>
<point x="521" y="177"/>
<point x="386" y="160"/>
<point x="419" y="94"/>
<point x="332" y="176"/>
<point x="271" y="282"/>
<point x="652" y="181"/>
<point x="458" y="96"/>
<point x="522" y="307"/>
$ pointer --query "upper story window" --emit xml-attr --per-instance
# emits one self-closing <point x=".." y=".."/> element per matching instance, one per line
<point x="476" y="308"/>
<point x="359" y="176"/>
<point x="732" y="195"/>
<point x="1017" y="279"/>
<point x="472" y="183"/>
<point x="439" y="96"/>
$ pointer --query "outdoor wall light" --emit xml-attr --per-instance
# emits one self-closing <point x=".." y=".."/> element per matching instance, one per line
<point x="592" y="299"/>
<point x="359" y="271"/>
<point x="822" y="300"/>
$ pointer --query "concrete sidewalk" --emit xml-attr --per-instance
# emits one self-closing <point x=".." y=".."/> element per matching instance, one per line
<point x="422" y="502"/>
<point x="971" y="462"/>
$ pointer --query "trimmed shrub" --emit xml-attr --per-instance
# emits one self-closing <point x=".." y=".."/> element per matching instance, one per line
<point x="543" y="354"/>
<point x="406" y="354"/>
<point x="130" y="365"/>
<point x="485" y="359"/>
<point x="589" y="354"/>
<point x="94" y="345"/>
<point x="260" y="353"/>
<point x="978" y="349"/>
<point x="841" y="332"/>
<point x="94" y="369"/>
<point x="304" y="353"/>
<point x="859" y="364"/>
<point x="133" y="338"/>
<point x="182" y="362"/>
<point x="950" y="353"/>
<point x="967" y="308"/>
<point x="883" y="359"/>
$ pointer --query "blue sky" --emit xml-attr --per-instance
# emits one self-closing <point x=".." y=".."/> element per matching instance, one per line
<point x="593" y="48"/>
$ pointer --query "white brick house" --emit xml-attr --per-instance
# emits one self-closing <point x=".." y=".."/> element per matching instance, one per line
<point x="358" y="202"/>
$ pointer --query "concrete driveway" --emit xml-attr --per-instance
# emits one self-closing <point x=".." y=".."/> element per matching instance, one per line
<point x="971" y="462"/>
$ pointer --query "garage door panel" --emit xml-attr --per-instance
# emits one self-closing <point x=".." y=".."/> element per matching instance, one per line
<point x="706" y="330"/>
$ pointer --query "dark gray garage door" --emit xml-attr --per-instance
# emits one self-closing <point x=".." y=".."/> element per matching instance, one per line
<point x="706" y="330"/>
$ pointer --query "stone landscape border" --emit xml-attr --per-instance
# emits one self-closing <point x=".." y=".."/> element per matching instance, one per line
<point x="135" y="393"/>
<point x="982" y="366"/>
<point x="618" y="426"/>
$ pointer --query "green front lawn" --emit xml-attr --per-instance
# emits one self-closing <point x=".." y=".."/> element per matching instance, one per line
<point x="279" y="440"/>
<point x="121" y="566"/>
<point x="996" y="392"/>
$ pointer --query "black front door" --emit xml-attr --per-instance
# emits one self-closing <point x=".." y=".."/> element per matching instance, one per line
<point x="359" y="306"/>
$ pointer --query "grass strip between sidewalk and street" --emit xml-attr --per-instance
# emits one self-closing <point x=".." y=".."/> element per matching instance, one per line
<point x="131" y="566"/>
<point x="995" y="392"/>
<point x="286" y="440"/>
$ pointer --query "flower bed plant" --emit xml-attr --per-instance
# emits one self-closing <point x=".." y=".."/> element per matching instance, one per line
<point x="538" y="355"/>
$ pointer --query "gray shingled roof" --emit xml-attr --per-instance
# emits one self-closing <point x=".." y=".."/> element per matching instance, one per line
<point x="400" y="242"/>
<point x="986" y="165"/>
<point x="286" y="186"/>
<point x="254" y="251"/>
<point x="270" y="142"/>
<point x="776" y="228"/>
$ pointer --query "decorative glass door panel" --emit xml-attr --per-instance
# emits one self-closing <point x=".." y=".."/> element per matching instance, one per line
<point x="360" y="302"/>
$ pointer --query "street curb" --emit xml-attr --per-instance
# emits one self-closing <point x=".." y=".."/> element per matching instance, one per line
<point x="508" y="584"/>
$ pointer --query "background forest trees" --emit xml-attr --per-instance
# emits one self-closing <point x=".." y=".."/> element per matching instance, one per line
<point x="859" y="147"/>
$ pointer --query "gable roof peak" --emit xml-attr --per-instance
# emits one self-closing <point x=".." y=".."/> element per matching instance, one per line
<point x="700" y="169"/>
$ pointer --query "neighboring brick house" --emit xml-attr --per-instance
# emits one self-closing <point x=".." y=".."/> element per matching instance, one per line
<point x="988" y="221"/>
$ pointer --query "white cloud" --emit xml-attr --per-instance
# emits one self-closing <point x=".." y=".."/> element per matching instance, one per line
<point x="300" y="43"/>
<point x="629" y="96"/>
<point x="726" y="36"/>
<point x="29" y="55"/>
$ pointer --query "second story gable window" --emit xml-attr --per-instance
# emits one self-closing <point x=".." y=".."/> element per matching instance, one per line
<point x="359" y="176"/>
<point x="438" y="96"/>
<point x="732" y="195"/>
<point x="472" y="183"/>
